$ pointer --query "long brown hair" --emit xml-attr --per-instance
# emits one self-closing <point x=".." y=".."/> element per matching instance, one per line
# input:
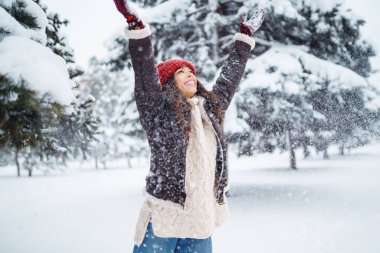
<point x="181" y="107"/>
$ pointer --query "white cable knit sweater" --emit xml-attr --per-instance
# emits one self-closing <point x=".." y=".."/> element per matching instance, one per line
<point x="201" y="213"/>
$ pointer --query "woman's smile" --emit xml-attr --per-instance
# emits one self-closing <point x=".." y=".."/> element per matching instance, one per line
<point x="190" y="83"/>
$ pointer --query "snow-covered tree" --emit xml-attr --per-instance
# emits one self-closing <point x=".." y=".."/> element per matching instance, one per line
<point x="350" y="112"/>
<point x="120" y="135"/>
<point x="277" y="118"/>
<point x="327" y="29"/>
<point x="58" y="42"/>
<point x="36" y="92"/>
<point x="301" y="101"/>
<point x="304" y="43"/>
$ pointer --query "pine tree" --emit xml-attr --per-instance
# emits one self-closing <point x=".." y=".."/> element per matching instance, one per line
<point x="26" y="119"/>
<point x="33" y="116"/>
<point x="278" y="118"/>
<point x="58" y="44"/>
<point x="300" y="34"/>
<point x="331" y="34"/>
<point x="349" y="116"/>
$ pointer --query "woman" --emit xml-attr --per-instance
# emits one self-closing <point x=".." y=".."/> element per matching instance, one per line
<point x="187" y="182"/>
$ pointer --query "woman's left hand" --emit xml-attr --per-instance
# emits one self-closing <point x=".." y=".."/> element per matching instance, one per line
<point x="250" y="26"/>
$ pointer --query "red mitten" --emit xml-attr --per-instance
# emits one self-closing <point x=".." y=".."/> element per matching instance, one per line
<point x="250" y="26"/>
<point x="134" y="22"/>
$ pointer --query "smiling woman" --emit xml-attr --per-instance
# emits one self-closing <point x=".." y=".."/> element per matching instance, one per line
<point x="188" y="179"/>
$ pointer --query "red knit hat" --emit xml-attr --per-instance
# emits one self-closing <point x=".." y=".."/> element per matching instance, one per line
<point x="167" y="68"/>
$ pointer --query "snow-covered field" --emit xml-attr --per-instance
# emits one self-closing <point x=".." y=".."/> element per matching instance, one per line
<point x="327" y="206"/>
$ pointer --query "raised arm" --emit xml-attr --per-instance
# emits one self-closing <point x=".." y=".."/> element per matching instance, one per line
<point x="148" y="94"/>
<point x="233" y="68"/>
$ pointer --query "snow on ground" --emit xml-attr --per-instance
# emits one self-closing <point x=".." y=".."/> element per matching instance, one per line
<point x="327" y="206"/>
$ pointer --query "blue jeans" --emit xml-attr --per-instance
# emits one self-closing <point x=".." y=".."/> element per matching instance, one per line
<point x="155" y="244"/>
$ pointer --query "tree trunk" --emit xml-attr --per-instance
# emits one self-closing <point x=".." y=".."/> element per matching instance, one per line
<point x="325" y="154"/>
<point x="292" y="159"/>
<point x="30" y="172"/>
<point x="306" y="152"/>
<point x="341" y="150"/>
<point x="292" y="152"/>
<point x="305" y="142"/>
<point x="17" y="163"/>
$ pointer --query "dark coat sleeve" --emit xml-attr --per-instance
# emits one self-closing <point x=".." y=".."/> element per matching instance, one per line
<point x="231" y="74"/>
<point x="148" y="93"/>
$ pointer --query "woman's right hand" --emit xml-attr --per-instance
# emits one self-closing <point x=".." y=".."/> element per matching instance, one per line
<point x="134" y="22"/>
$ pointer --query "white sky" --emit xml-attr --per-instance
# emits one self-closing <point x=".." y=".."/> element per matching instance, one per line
<point x="92" y="21"/>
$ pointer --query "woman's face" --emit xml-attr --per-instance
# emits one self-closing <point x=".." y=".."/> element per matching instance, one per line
<point x="185" y="81"/>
